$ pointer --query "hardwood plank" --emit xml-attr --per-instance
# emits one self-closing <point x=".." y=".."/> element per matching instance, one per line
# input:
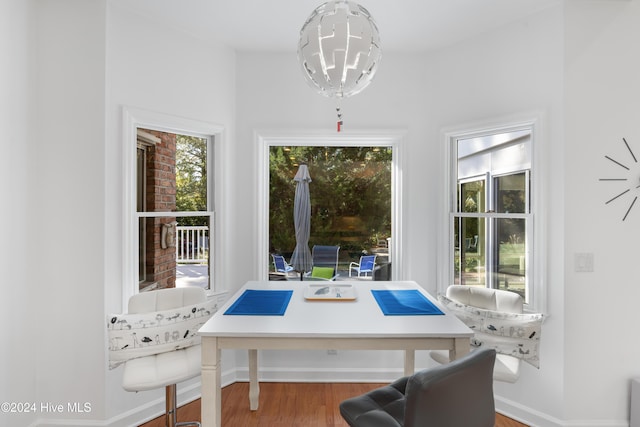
<point x="288" y="404"/>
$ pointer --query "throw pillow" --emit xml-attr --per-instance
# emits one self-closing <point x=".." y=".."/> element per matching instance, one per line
<point x="322" y="272"/>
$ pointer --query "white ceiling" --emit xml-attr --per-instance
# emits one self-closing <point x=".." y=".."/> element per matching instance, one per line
<point x="405" y="25"/>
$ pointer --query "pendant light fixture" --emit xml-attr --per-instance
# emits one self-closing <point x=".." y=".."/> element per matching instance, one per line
<point x="339" y="50"/>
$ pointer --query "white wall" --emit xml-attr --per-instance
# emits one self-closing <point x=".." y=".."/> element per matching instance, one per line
<point x="519" y="70"/>
<point x="74" y="63"/>
<point x="68" y="68"/>
<point x="68" y="170"/>
<point x="514" y="70"/>
<point x="602" y="106"/>
<point x="154" y="68"/>
<point x="17" y="360"/>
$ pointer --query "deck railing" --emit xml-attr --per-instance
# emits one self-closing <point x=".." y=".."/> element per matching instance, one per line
<point x="192" y="244"/>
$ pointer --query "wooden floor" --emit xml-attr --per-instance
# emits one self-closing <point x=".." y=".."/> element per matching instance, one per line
<point x="287" y="405"/>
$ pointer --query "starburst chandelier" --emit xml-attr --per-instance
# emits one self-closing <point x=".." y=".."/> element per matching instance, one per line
<point x="339" y="50"/>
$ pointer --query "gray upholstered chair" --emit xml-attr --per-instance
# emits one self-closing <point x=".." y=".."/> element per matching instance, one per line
<point x="507" y="367"/>
<point x="169" y="368"/>
<point x="458" y="394"/>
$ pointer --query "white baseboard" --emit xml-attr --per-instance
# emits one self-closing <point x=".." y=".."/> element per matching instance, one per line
<point x="138" y="415"/>
<point x="534" y="418"/>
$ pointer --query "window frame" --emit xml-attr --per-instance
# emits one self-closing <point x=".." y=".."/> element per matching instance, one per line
<point x="134" y="118"/>
<point x="536" y="218"/>
<point x="267" y="139"/>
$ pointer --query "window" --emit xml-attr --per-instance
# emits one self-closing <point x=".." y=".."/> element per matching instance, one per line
<point x="170" y="238"/>
<point x="172" y="194"/>
<point x="350" y="156"/>
<point x="492" y="211"/>
<point x="350" y="196"/>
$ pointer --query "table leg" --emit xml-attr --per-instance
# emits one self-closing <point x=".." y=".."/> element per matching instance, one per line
<point x="461" y="346"/>
<point x="409" y="362"/>
<point x="254" y="386"/>
<point x="211" y="407"/>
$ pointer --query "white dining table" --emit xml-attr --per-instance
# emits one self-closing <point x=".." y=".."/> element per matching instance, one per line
<point x="355" y="324"/>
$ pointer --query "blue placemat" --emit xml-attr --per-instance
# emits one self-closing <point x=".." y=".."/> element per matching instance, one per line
<point x="254" y="302"/>
<point x="404" y="303"/>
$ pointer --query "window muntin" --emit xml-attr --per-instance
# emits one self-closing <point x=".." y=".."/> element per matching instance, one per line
<point x="492" y="224"/>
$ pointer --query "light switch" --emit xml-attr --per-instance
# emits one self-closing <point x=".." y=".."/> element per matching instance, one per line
<point x="584" y="263"/>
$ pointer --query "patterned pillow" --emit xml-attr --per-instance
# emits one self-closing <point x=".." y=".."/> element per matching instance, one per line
<point x="513" y="334"/>
<point x="145" y="334"/>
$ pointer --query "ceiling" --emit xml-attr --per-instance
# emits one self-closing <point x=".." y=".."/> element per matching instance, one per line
<point x="274" y="26"/>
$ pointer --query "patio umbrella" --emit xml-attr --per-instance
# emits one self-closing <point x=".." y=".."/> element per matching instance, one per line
<point x="301" y="259"/>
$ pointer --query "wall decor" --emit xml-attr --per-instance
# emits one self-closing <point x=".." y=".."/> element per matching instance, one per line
<point x="626" y="179"/>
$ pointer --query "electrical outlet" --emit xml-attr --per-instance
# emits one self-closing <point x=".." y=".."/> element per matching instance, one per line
<point x="584" y="263"/>
<point x="332" y="352"/>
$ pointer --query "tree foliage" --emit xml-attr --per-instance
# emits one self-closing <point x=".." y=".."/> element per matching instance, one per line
<point x="191" y="177"/>
<point x="350" y="196"/>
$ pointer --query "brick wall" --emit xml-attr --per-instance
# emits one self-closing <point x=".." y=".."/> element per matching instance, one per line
<point x="161" y="197"/>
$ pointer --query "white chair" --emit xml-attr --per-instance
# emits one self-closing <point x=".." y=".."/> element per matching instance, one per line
<point x="507" y="368"/>
<point x="164" y="369"/>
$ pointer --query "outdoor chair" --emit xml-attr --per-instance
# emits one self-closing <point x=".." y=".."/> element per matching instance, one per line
<point x="459" y="394"/>
<point x="325" y="256"/>
<point x="280" y="264"/>
<point x="366" y="265"/>
<point x="325" y="263"/>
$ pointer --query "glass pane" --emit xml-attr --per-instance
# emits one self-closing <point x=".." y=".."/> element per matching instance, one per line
<point x="193" y="252"/>
<point x="172" y="173"/>
<point x="511" y="255"/>
<point x="511" y="193"/>
<point x="471" y="197"/>
<point x="350" y="195"/>
<point x="174" y="252"/>
<point x="469" y="256"/>
<point x="191" y="174"/>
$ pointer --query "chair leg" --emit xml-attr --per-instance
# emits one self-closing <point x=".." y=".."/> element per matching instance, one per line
<point x="171" y="406"/>
<point x="171" y="413"/>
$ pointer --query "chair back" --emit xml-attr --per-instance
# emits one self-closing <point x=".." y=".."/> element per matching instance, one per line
<point x="325" y="256"/>
<point x="165" y="299"/>
<point x="457" y="394"/>
<point x="367" y="263"/>
<point x="489" y="299"/>
<point x="278" y="263"/>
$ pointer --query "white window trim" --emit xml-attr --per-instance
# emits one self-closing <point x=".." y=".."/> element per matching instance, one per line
<point x="266" y="139"/>
<point x="132" y="119"/>
<point x="539" y="188"/>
